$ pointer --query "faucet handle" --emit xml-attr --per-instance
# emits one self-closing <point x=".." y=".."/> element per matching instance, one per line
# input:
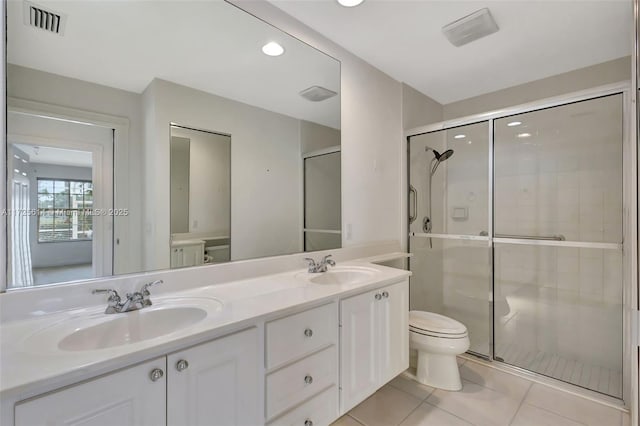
<point x="113" y="295"/>
<point x="328" y="261"/>
<point x="146" y="301"/>
<point x="145" y="288"/>
<point x="310" y="260"/>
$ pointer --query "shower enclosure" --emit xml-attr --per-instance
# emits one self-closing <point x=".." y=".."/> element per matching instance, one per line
<point x="519" y="234"/>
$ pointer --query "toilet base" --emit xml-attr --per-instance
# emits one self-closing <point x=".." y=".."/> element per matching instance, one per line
<point x="438" y="371"/>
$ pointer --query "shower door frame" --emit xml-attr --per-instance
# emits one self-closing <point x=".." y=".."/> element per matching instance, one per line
<point x="630" y="223"/>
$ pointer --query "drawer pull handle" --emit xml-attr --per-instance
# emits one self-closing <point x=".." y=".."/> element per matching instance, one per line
<point x="308" y="332"/>
<point x="182" y="365"/>
<point x="385" y="294"/>
<point x="308" y="423"/>
<point x="156" y="374"/>
<point x="308" y="379"/>
<point x="378" y="296"/>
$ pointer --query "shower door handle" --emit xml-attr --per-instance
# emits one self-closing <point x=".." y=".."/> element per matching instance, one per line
<point x="414" y="215"/>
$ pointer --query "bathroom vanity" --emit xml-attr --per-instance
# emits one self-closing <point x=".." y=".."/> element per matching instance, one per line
<point x="292" y="348"/>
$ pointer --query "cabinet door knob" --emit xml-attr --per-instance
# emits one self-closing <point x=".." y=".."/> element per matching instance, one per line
<point x="308" y="423"/>
<point x="378" y="296"/>
<point x="156" y="374"/>
<point x="308" y="379"/>
<point x="182" y="365"/>
<point x="385" y="294"/>
<point x="308" y="332"/>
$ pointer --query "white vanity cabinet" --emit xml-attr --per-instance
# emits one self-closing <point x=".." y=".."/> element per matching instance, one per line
<point x="374" y="337"/>
<point x="128" y="397"/>
<point x="187" y="253"/>
<point x="215" y="383"/>
<point x="302" y="368"/>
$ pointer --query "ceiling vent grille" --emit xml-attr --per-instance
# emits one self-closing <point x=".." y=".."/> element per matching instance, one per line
<point x="472" y="27"/>
<point x="48" y="20"/>
<point x="317" y="93"/>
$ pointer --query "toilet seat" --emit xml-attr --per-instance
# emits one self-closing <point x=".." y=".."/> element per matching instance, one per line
<point x="435" y="325"/>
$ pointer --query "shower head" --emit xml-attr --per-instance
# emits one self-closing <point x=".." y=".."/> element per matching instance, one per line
<point x="445" y="155"/>
<point x="440" y="157"/>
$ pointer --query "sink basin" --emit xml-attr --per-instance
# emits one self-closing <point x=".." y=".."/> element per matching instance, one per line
<point x="342" y="276"/>
<point x="97" y="330"/>
<point x="132" y="327"/>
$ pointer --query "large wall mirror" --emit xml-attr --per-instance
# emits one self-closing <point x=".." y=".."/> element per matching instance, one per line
<point x="149" y="135"/>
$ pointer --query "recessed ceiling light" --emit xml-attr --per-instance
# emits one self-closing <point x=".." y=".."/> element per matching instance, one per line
<point x="469" y="142"/>
<point x="514" y="123"/>
<point x="350" y="3"/>
<point x="524" y="135"/>
<point x="272" y="49"/>
<point x="460" y="136"/>
<point x="16" y="170"/>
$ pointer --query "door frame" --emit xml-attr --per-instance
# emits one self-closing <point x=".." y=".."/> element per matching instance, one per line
<point x="118" y="246"/>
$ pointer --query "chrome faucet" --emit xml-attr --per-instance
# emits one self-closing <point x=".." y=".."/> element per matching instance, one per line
<point x="133" y="301"/>
<point x="320" y="266"/>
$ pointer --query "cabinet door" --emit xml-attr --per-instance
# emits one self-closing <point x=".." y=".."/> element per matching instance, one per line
<point x="394" y="331"/>
<point x="219" y="385"/>
<point x="127" y="398"/>
<point x="358" y="349"/>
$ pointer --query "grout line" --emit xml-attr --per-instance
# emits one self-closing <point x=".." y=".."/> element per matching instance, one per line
<point x="410" y="394"/>
<point x="449" y="412"/>
<point x="410" y="413"/>
<point x="524" y="398"/>
<point x="354" y="419"/>
<point x="556" y="414"/>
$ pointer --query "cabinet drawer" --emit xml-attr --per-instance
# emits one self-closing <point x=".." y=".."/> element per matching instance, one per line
<point x="300" y="381"/>
<point x="290" y="337"/>
<point x="320" y="411"/>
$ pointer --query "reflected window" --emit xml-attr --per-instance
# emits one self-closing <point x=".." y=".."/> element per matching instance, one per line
<point x="64" y="210"/>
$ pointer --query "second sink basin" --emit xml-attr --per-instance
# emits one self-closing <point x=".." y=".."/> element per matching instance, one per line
<point x="343" y="275"/>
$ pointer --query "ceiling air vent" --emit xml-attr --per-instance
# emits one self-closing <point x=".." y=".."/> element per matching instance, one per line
<point x="39" y="17"/>
<point x="317" y="93"/>
<point x="472" y="27"/>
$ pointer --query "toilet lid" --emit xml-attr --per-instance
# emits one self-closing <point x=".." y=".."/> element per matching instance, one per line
<point x="428" y="321"/>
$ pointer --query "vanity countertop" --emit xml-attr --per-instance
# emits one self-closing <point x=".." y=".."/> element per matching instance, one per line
<point x="31" y="361"/>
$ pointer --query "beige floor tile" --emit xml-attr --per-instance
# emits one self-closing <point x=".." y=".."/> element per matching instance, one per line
<point x="429" y="415"/>
<point x="477" y="404"/>
<point x="528" y="415"/>
<point x="411" y="386"/>
<point x="495" y="379"/>
<point x="387" y="407"/>
<point x="573" y="407"/>
<point x="346" y="420"/>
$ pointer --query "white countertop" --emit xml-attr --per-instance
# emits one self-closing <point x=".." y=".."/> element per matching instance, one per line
<point x="31" y="362"/>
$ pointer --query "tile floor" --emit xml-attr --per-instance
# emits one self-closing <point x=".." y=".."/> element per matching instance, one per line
<point x="489" y="398"/>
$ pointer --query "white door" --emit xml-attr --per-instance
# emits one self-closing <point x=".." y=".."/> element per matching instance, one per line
<point x="358" y="348"/>
<point x="394" y="331"/>
<point x="125" y="398"/>
<point x="215" y="383"/>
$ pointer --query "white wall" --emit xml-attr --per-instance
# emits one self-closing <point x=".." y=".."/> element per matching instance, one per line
<point x="572" y="81"/>
<point x="265" y="170"/>
<point x="418" y="109"/>
<point x="62" y="91"/>
<point x="314" y="136"/>
<point x="371" y="134"/>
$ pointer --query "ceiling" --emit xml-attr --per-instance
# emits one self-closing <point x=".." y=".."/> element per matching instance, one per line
<point x="207" y="45"/>
<point x="57" y="156"/>
<point x="537" y="39"/>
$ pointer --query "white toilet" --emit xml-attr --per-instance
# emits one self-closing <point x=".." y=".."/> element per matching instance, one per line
<point x="438" y="339"/>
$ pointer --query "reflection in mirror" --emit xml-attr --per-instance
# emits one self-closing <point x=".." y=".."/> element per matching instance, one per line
<point x="90" y="111"/>
<point x="200" y="197"/>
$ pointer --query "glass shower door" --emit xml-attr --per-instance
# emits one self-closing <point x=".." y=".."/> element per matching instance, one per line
<point x="558" y="242"/>
<point x="448" y="202"/>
